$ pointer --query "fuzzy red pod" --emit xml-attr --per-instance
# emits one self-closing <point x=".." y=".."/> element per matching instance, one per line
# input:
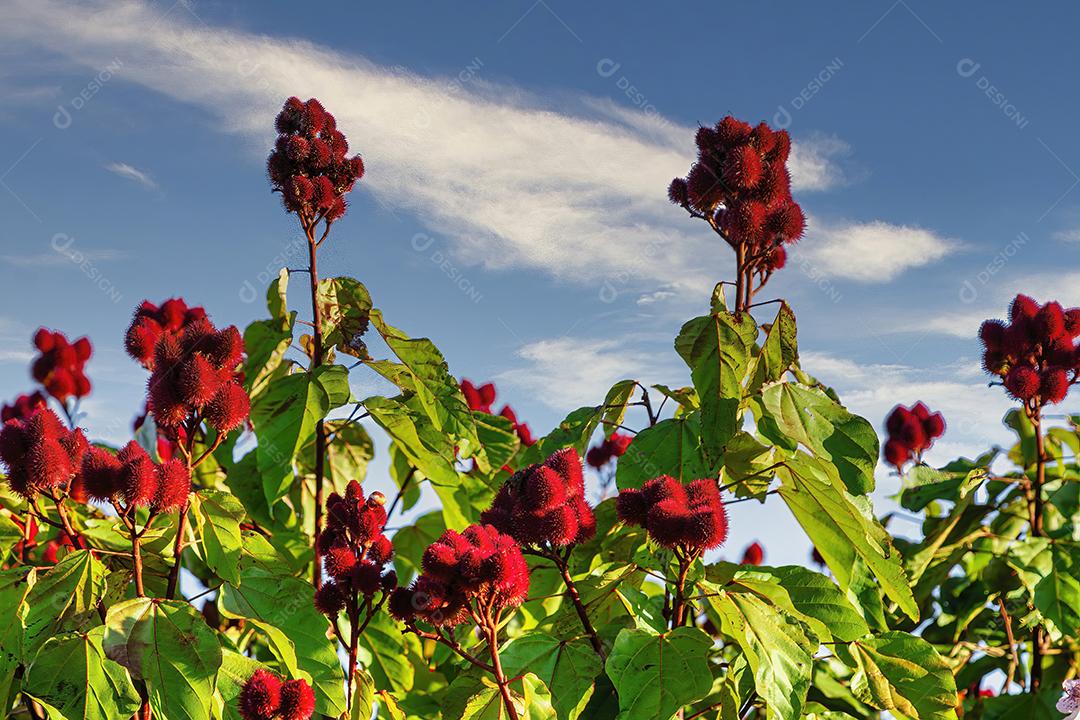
<point x="296" y="148"/>
<point x="745" y="221"/>
<point x="706" y="527"/>
<point x="567" y="463"/>
<point x="754" y="554"/>
<point x="703" y="493"/>
<point x="338" y="209"/>
<point x="775" y="187"/>
<point x="44" y="340"/>
<point x="1022" y="382"/>
<point x="995" y="363"/>
<point x="260" y="697"/>
<point x="162" y="400"/>
<point x="297" y="700"/>
<point x="704" y="188"/>
<point x="896" y="453"/>
<point x="706" y="139"/>
<point x="1072" y="322"/>
<point x="631" y="506"/>
<point x="14" y="443"/>
<point x="140" y="339"/>
<point x="777" y="259"/>
<point x="225" y="349"/>
<point x="678" y="193"/>
<point x="23" y="406"/>
<point x="381" y="550"/>
<point x="663" y="488"/>
<point x="440" y="559"/>
<point x="511" y="575"/>
<point x="1023" y="307"/>
<point x="620" y="443"/>
<point x="138" y="475"/>
<point x="100" y="474"/>
<point x="320" y="154"/>
<point x="542" y="488"/>
<point x="228" y="409"/>
<point x="667" y="523"/>
<point x="198" y="381"/>
<point x="1050" y="321"/>
<point x="934" y="426"/>
<point x="60" y="383"/>
<point x="83" y="349"/>
<point x="339" y="561"/>
<point x="325" y="193"/>
<point x="366" y="578"/>
<point x="586" y="519"/>
<point x="742" y="168"/>
<point x="402" y="603"/>
<point x="992" y="334"/>
<point x="1053" y="385"/>
<point x="598" y="456"/>
<point x="911" y="432"/>
<point x="731" y="131"/>
<point x="787" y="222"/>
<point x="291" y="116"/>
<point x="558" y="526"/>
<point x="174" y="486"/>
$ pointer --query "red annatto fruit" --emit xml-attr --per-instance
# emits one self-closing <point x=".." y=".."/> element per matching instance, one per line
<point x="775" y="186"/>
<point x="381" y="550"/>
<point x="356" y="166"/>
<point x="83" y="349"/>
<point x="620" y="443"/>
<point x="1050" y="321"/>
<point x="663" y="488"/>
<point x="730" y="131"/>
<point x="100" y="474"/>
<point x="337" y="209"/>
<point x="60" y="383"/>
<point x="763" y="138"/>
<point x="138" y="475"/>
<point x="260" y="697"/>
<point x="1053" y="385"/>
<point x="389" y="581"/>
<point x="367" y="578"/>
<point x="320" y="154"/>
<point x="788" y="222"/>
<point x="339" y="562"/>
<point x="567" y="463"/>
<point x="704" y="188"/>
<point x="934" y="426"/>
<point x="896" y="453"/>
<point x="745" y="221"/>
<point x="677" y="192"/>
<point x="667" y="523"/>
<point x="198" y="381"/>
<point x="228" y="409"/>
<point x="329" y="599"/>
<point x="44" y="340"/>
<point x="174" y="486"/>
<point x="598" y="456"/>
<point x="1072" y="322"/>
<point x="706" y="139"/>
<point x="296" y="149"/>
<point x="777" y="259"/>
<point x="441" y="558"/>
<point x="22" y="407"/>
<point x="140" y="340"/>
<point x="911" y="432"/>
<point x="225" y="349"/>
<point x="781" y="147"/>
<point x="402" y="604"/>
<point x="754" y="554"/>
<point x="995" y="363"/>
<point x="1022" y="382"/>
<point x="542" y="488"/>
<point x="1023" y="307"/>
<point x="992" y="334"/>
<point x="742" y="168"/>
<point x="325" y="193"/>
<point x="173" y="313"/>
<point x="301" y="189"/>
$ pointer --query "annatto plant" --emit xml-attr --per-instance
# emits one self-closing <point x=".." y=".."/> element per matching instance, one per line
<point x="227" y="562"/>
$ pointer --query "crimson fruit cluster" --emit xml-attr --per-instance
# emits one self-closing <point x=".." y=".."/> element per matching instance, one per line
<point x="265" y="697"/>
<point x="687" y="517"/>
<point x="911" y="432"/>
<point x="61" y="365"/>
<point x="41" y="454"/>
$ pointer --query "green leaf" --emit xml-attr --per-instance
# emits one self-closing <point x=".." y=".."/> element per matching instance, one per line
<point x="10" y="535"/>
<point x="499" y="438"/>
<point x="778" y="353"/>
<point x="749" y="466"/>
<point x="217" y="515"/>
<point x="15" y="585"/>
<point x="904" y="674"/>
<point x="347" y="455"/>
<point x="410" y="543"/>
<point x="406" y="477"/>
<point x="472" y="697"/>
<point x="576" y="430"/>
<point x="717" y="349"/>
<point x="344" y="305"/>
<point x="167" y="644"/>
<point x="1057" y="594"/>
<point x="670" y="447"/>
<point x="809" y="596"/>
<point x="363" y="698"/>
<point x="267" y="341"/>
<point x="776" y="646"/>
<point x="567" y="667"/>
<point x="841" y="530"/>
<point x="286" y="603"/>
<point x="656" y="675"/>
<point x="64" y="598"/>
<point x="384" y="654"/>
<point x="72" y="678"/>
<point x="284" y="417"/>
<point x="810" y="417"/>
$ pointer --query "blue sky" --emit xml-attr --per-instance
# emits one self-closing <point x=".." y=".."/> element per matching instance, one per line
<point x="518" y="154"/>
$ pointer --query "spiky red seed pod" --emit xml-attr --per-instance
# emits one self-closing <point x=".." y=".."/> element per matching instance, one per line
<point x="567" y="463"/>
<point x="198" y="381"/>
<point x="339" y="562"/>
<point x="778" y="259"/>
<point x="754" y="554"/>
<point x="337" y="209"/>
<point x="763" y="138"/>
<point x="301" y="189"/>
<point x="1053" y="385"/>
<point x="13" y="443"/>
<point x="542" y="488"/>
<point x="910" y="432"/>
<point x="620" y="443"/>
<point x="703" y="492"/>
<point x="995" y="363"/>
<point x="440" y="560"/>
<point x="402" y="604"/>
<point x="138" y="475"/>
<point x="788" y="222"/>
<point x="260" y="697"/>
<point x="781" y="147"/>
<point x="141" y="338"/>
<point x="296" y="149"/>
<point x="1050" y="321"/>
<point x="598" y="456"/>
<point x="174" y="486"/>
<point x="1072" y="322"/>
<point x="1022" y="382"/>
<point x="745" y="221"/>
<point x="319" y="155"/>
<point x="1023" y="307"/>
<point x="297" y="700"/>
<point x="707" y="527"/>
<point x="356" y="166"/>
<point x="559" y="525"/>
<point x="896" y="453"/>
<point x="228" y="409"/>
<point x="329" y="599"/>
<point x="704" y="188"/>
<point x="992" y="334"/>
<point x="100" y="474"/>
<point x="586" y="520"/>
<point x="60" y="383"/>
<point x="731" y="131"/>
<point x="167" y="408"/>
<point x="389" y="581"/>
<point x="172" y="314"/>
<point x="23" y="406"/>
<point x="225" y="349"/>
<point x="367" y="578"/>
<point x="677" y="192"/>
<point x="370" y="521"/>
<point x="511" y="576"/>
<point x="706" y="139"/>
<point x="667" y="523"/>
<point x="742" y="168"/>
<point x="325" y="193"/>
<point x="83" y="349"/>
<point x="381" y="550"/>
<point x="44" y="340"/>
<point x="662" y="488"/>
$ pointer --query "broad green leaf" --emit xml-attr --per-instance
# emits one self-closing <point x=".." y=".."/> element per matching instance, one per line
<point x="567" y="667"/>
<point x="168" y="645"/>
<point x="363" y="697"/>
<point x="267" y="341"/>
<point x="347" y="454"/>
<point x="384" y="654"/>
<point x="686" y="397"/>
<point x="841" y="530"/>
<point x="670" y="447"/>
<point x="344" y="305"/>
<point x="776" y="647"/>
<point x="923" y="485"/>
<point x="778" y="352"/>
<point x="410" y="543"/>
<point x="1024" y="706"/>
<point x="904" y="674"/>
<point x="15" y="585"/>
<point x="217" y="517"/>
<point x="473" y="697"/>
<point x="717" y="349"/>
<point x="72" y="678"/>
<point x="64" y="598"/>
<point x="577" y="428"/>
<point x="809" y="596"/>
<point x="500" y="440"/>
<point x="810" y="417"/>
<point x="286" y="603"/>
<point x="656" y="675"/>
<point x="1057" y="594"/>
<point x="10" y="535"/>
<point x="284" y="417"/>
<point x="406" y="477"/>
<point x="749" y="466"/>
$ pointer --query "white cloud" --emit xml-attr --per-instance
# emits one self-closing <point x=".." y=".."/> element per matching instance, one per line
<point x="132" y="173"/>
<point x="655" y="297"/>
<point x="569" y="372"/>
<point x="871" y="252"/>
<point x="60" y="258"/>
<point x="1068" y="236"/>
<point x="511" y="181"/>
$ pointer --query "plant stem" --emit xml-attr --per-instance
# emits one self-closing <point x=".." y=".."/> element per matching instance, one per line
<point x="316" y="362"/>
<point x="354" y="641"/>
<point x="178" y="549"/>
<point x="492" y="632"/>
<point x="679" y="603"/>
<point x="1038" y="635"/>
<point x="575" y="597"/>
<point x="136" y="559"/>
